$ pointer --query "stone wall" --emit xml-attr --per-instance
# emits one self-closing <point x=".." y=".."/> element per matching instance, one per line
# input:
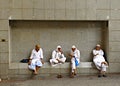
<point x="87" y="10"/>
<point x="49" y="34"/>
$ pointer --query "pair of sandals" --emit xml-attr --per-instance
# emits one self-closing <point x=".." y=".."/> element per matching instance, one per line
<point x="102" y="75"/>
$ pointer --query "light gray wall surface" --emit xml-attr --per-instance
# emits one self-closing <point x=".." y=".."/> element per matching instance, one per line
<point x="85" y="35"/>
<point x="87" y="10"/>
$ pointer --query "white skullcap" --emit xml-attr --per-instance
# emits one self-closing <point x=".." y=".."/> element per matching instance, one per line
<point x="58" y="46"/>
<point x="73" y="46"/>
<point x="98" y="45"/>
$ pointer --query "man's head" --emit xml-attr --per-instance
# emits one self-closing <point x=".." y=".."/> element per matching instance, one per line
<point x="59" y="48"/>
<point x="98" y="47"/>
<point x="73" y="48"/>
<point x="37" y="47"/>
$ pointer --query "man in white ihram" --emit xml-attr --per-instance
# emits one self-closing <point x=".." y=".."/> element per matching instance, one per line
<point x="75" y="54"/>
<point x="99" y="60"/>
<point x="36" y="59"/>
<point x="57" y="56"/>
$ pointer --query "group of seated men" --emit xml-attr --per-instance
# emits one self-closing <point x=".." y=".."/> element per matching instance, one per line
<point x="36" y="59"/>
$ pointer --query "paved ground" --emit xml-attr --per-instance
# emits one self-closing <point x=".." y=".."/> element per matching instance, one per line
<point x="111" y="80"/>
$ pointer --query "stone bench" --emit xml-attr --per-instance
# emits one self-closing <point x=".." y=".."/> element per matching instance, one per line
<point x="47" y="65"/>
<point x="84" y="68"/>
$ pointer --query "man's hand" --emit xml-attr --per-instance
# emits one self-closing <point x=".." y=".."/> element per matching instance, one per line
<point x="61" y="52"/>
<point x="29" y="62"/>
<point x="71" y="55"/>
<point x="58" y="60"/>
<point x="43" y="62"/>
<point x="96" y="54"/>
<point x="105" y="63"/>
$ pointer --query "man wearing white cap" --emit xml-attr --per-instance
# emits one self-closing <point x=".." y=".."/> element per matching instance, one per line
<point x="57" y="56"/>
<point x="99" y="60"/>
<point x="75" y="56"/>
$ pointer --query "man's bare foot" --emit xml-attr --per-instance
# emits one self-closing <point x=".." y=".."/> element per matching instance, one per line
<point x="35" y="72"/>
<point x="72" y="75"/>
<point x="75" y="74"/>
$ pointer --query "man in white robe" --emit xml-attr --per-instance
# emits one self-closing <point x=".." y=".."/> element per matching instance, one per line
<point x="75" y="54"/>
<point x="57" y="56"/>
<point x="36" y="59"/>
<point x="99" y="60"/>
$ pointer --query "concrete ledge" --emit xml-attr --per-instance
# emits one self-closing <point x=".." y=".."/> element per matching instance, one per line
<point x="47" y="65"/>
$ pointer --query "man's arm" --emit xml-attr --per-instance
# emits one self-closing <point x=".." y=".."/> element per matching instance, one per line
<point x="32" y="53"/>
<point x="41" y="56"/>
<point x="94" y="53"/>
<point x="31" y="57"/>
<point x="42" y="60"/>
<point x="41" y="53"/>
<point x="78" y="53"/>
<point x="101" y="52"/>
<point x="71" y="54"/>
<point x="54" y="54"/>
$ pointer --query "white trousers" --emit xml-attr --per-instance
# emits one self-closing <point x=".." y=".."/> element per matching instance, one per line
<point x="52" y="61"/>
<point x="73" y="66"/>
<point x="103" y="68"/>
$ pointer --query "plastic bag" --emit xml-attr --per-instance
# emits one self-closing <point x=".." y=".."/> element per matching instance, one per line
<point x="24" y="60"/>
<point x="76" y="62"/>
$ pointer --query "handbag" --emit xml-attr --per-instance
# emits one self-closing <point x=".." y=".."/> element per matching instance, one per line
<point x="76" y="62"/>
<point x="24" y="61"/>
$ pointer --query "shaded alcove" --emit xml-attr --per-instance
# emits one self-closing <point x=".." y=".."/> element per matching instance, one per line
<point x="84" y="34"/>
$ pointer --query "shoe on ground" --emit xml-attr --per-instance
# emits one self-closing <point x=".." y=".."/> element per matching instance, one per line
<point x="104" y="76"/>
<point x="99" y="76"/>
<point x="72" y="76"/>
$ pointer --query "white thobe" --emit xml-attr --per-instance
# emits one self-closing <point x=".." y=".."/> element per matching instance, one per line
<point x="57" y="55"/>
<point x="36" y="58"/>
<point x="75" y="54"/>
<point x="98" y="59"/>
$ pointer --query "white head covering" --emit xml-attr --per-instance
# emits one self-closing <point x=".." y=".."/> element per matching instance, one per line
<point x="73" y="46"/>
<point x="58" y="46"/>
<point x="98" y="45"/>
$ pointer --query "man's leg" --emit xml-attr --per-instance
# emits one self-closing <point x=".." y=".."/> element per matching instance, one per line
<point x="35" y="72"/>
<point x="37" y="68"/>
<point x="62" y="60"/>
<point x="73" y="67"/>
<point x="32" y="66"/>
<point x="75" y="71"/>
<point x="98" y="66"/>
<point x="53" y="62"/>
<point x="38" y="65"/>
<point x="103" y="70"/>
<point x="100" y="73"/>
